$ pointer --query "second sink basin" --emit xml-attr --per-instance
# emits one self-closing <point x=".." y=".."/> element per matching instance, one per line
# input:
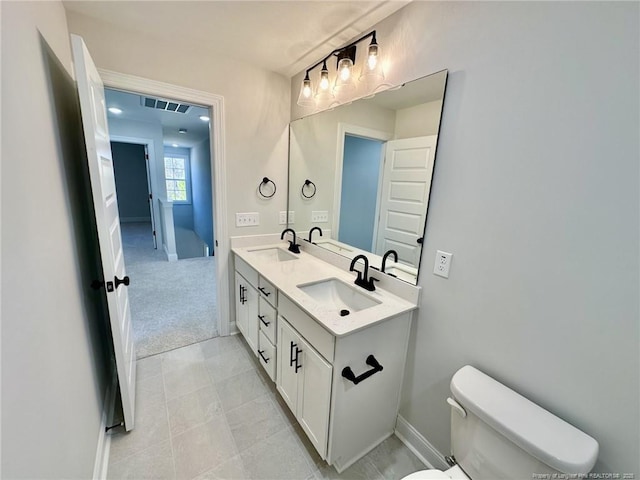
<point x="275" y="254"/>
<point x="338" y="296"/>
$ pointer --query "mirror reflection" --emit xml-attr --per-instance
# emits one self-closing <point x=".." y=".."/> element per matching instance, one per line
<point x="362" y="173"/>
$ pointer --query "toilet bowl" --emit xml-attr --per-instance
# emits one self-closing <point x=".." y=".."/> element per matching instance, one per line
<point x="498" y="434"/>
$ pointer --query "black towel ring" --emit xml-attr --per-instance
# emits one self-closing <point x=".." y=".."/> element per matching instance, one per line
<point x="306" y="184"/>
<point x="265" y="181"/>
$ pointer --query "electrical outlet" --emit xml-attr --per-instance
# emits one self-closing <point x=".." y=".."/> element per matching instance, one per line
<point x="319" y="216"/>
<point x="282" y="218"/>
<point x="249" y="219"/>
<point x="442" y="264"/>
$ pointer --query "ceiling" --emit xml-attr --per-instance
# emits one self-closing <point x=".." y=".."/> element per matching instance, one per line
<point x="132" y="109"/>
<point x="282" y="36"/>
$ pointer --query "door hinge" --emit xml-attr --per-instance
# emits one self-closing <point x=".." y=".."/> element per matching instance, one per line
<point x="146" y="156"/>
<point x="154" y="233"/>
<point x="216" y="243"/>
<point x="151" y="196"/>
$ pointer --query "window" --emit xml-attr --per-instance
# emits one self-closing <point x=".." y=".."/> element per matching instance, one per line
<point x="176" y="174"/>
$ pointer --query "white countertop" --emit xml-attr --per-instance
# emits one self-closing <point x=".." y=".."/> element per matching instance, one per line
<point x="287" y="275"/>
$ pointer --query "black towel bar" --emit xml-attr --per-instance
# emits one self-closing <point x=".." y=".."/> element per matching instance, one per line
<point x="371" y="361"/>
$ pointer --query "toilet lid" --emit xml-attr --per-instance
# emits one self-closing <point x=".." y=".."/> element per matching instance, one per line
<point x="428" y="475"/>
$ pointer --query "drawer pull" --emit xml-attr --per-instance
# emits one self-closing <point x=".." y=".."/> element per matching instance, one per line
<point x="266" y="324"/>
<point x="266" y="294"/>
<point x="260" y="352"/>
<point x="371" y="361"/>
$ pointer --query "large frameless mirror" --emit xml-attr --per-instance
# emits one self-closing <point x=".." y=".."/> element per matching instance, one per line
<point x="362" y="172"/>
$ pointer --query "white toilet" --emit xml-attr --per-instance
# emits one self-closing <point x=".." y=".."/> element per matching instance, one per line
<point x="498" y="434"/>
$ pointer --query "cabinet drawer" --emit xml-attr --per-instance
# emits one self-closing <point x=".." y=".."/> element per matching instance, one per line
<point x="267" y="316"/>
<point x="316" y="335"/>
<point x="267" y="355"/>
<point x="268" y="291"/>
<point x="246" y="271"/>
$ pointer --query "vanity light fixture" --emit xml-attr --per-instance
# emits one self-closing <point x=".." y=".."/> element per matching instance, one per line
<point x="371" y="75"/>
<point x="182" y="131"/>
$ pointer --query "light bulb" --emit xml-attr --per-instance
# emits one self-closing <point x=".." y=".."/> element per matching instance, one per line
<point x="306" y="89"/>
<point x="324" y="78"/>
<point x="372" y="59"/>
<point x="344" y="69"/>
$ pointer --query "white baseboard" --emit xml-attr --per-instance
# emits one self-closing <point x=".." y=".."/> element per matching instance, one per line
<point x="172" y="257"/>
<point x="419" y="445"/>
<point x="104" y="440"/>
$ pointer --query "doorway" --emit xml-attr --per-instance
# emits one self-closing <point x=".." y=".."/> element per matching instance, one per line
<point x="175" y="286"/>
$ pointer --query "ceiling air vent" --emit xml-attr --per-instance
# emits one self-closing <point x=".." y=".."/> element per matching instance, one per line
<point x="167" y="105"/>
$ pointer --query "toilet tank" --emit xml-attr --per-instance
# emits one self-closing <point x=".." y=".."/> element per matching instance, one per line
<point x="499" y="434"/>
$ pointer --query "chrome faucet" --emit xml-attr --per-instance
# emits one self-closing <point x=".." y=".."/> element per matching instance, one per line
<point x="386" y="255"/>
<point x="362" y="280"/>
<point x="293" y="246"/>
<point x="311" y="232"/>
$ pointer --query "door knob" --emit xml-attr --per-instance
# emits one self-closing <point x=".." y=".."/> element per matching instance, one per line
<point x="118" y="282"/>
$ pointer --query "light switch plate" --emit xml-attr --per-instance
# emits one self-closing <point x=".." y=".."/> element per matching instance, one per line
<point x="249" y="219"/>
<point x="442" y="263"/>
<point x="319" y="216"/>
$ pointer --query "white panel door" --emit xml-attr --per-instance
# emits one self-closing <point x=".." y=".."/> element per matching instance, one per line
<point x="96" y="133"/>
<point x="406" y="184"/>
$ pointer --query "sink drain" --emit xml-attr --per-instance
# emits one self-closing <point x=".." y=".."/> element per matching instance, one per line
<point x="344" y="313"/>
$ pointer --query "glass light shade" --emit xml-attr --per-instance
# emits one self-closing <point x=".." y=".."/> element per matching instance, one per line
<point x="324" y="98"/>
<point x="305" y="99"/>
<point x="371" y="74"/>
<point x="344" y="86"/>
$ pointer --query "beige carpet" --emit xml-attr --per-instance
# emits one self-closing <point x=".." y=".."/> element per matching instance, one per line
<point x="173" y="304"/>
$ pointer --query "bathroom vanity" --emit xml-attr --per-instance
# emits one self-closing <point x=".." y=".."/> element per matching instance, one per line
<point x="335" y="351"/>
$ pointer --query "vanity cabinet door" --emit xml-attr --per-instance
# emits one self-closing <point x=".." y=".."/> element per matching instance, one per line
<point x="314" y="396"/>
<point x="247" y="311"/>
<point x="286" y="378"/>
<point x="304" y="381"/>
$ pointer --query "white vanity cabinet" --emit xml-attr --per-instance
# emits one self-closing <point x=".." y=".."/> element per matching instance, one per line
<point x="342" y="419"/>
<point x="247" y="310"/>
<point x="341" y="383"/>
<point x="304" y="381"/>
<point x="256" y="314"/>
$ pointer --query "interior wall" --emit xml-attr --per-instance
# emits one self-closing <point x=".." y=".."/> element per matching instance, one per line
<point x="54" y="340"/>
<point x="132" y="188"/>
<point x="418" y="121"/>
<point x="202" y="192"/>
<point x="536" y="194"/>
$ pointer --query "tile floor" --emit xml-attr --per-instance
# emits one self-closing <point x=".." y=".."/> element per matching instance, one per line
<point x="208" y="411"/>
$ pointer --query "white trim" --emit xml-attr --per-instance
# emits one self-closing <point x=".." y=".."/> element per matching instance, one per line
<point x="218" y="172"/>
<point x="103" y="449"/>
<point x="419" y="445"/>
<point x="358" y="131"/>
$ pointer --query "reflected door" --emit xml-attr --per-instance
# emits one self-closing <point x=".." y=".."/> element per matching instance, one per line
<point x="406" y="185"/>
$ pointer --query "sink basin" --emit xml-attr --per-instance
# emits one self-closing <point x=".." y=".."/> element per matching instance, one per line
<point x="339" y="296"/>
<point x="274" y="254"/>
<point x="334" y="247"/>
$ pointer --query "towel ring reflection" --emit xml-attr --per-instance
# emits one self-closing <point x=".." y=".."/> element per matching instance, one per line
<point x="307" y="183"/>
<point x="266" y="181"/>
